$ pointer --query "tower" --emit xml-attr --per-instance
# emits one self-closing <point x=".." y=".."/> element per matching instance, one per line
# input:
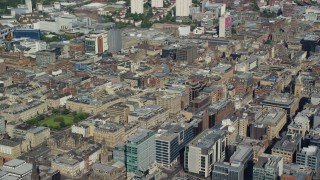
<point x="157" y="3"/>
<point x="35" y="172"/>
<point x="225" y="23"/>
<point x="182" y="7"/>
<point x="136" y="6"/>
<point x="105" y="156"/>
<point x="114" y="40"/>
<point x="29" y="5"/>
<point x="298" y="86"/>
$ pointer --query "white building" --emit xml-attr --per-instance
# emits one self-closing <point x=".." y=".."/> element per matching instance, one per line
<point x="57" y="5"/>
<point x="81" y="128"/>
<point x="225" y="24"/>
<point x="182" y="7"/>
<point x="204" y="150"/>
<point x="136" y="6"/>
<point x="157" y="3"/>
<point x="300" y="125"/>
<point x="312" y="14"/>
<point x="29" y="46"/>
<point x="184" y="30"/>
<point x="29" y="5"/>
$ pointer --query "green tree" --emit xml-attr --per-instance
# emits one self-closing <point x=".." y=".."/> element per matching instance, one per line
<point x="56" y="111"/>
<point x="66" y="111"/>
<point x="62" y="124"/>
<point x="255" y="6"/>
<point x="233" y="30"/>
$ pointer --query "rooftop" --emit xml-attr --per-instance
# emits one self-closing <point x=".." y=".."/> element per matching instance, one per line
<point x="207" y="138"/>
<point x="140" y="136"/>
<point x="289" y="142"/>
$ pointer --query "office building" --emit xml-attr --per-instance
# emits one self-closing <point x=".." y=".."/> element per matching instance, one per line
<point x="114" y="40"/>
<point x="187" y="54"/>
<point x="38" y="135"/>
<point x="204" y="150"/>
<point x="91" y="104"/>
<point x="120" y="109"/>
<point x="27" y="33"/>
<point x="297" y="172"/>
<point x="136" y="6"/>
<point x="230" y="171"/>
<point x="170" y="140"/>
<point x="157" y="3"/>
<point x="140" y="150"/>
<point x="29" y="5"/>
<point x="70" y="167"/>
<point x="170" y="102"/>
<point x="17" y="169"/>
<point x="309" y="156"/>
<point x="288" y="9"/>
<point x="269" y="123"/>
<point x="259" y="146"/>
<point x="225" y="24"/>
<point x="101" y="171"/>
<point x="45" y="57"/>
<point x="25" y="112"/>
<point x="287" y="147"/>
<point x="110" y="132"/>
<point x="243" y="155"/>
<point x="149" y="116"/>
<point x="183" y="8"/>
<point x="96" y="42"/>
<point x="282" y="100"/>
<point x="119" y="153"/>
<point x="9" y="149"/>
<point x="268" y="167"/>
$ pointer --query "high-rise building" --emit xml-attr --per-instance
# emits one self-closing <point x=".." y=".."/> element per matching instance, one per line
<point x="140" y="150"/>
<point x="170" y="140"/>
<point x="114" y="40"/>
<point x="204" y="150"/>
<point x="187" y="53"/>
<point x="268" y="167"/>
<point x="157" y="3"/>
<point x="309" y="156"/>
<point x="182" y="7"/>
<point x="225" y="23"/>
<point x="230" y="171"/>
<point x="29" y="5"/>
<point x="136" y="6"/>
<point x="2" y="125"/>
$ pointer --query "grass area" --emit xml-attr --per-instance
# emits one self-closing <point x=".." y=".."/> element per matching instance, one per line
<point x="54" y="124"/>
<point x="59" y="119"/>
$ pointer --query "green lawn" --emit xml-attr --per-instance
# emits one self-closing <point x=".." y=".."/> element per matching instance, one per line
<point x="59" y="120"/>
<point x="49" y="122"/>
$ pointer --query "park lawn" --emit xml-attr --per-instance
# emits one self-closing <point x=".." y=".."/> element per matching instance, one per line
<point x="49" y="122"/>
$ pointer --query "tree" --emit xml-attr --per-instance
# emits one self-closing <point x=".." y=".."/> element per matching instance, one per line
<point x="233" y="30"/>
<point x="56" y="111"/>
<point x="62" y="124"/>
<point x="255" y="6"/>
<point x="65" y="111"/>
